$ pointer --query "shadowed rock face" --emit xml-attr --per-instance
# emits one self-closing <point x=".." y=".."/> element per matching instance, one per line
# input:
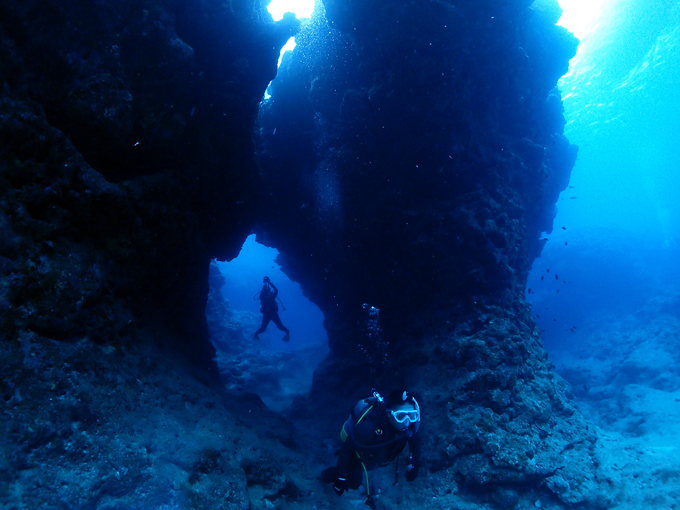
<point x="410" y="157"/>
<point x="158" y="97"/>
<point x="413" y="166"/>
<point x="126" y="164"/>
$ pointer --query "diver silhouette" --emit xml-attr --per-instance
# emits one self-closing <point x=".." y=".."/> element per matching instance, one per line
<point x="269" y="309"/>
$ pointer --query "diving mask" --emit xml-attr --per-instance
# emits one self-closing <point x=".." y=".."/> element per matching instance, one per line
<point x="402" y="418"/>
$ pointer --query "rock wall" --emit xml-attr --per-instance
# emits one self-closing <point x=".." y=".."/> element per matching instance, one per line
<point x="128" y="160"/>
<point x="412" y="155"/>
<point x="409" y="157"/>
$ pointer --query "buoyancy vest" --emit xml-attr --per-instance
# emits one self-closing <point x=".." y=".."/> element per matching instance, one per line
<point x="362" y="408"/>
<point x="268" y="301"/>
<point x="360" y="411"/>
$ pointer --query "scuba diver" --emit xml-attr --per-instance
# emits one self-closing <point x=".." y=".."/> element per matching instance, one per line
<point x="269" y="309"/>
<point x="374" y="435"/>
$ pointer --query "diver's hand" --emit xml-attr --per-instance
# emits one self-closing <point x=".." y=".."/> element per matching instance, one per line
<point x="340" y="486"/>
<point x="412" y="473"/>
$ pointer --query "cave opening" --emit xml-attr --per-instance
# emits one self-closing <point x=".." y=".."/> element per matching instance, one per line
<point x="276" y="370"/>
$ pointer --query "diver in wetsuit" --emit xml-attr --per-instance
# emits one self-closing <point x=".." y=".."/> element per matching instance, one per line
<point x="270" y="310"/>
<point x="374" y="435"/>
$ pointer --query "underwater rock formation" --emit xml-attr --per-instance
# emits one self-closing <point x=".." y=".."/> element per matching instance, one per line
<point x="158" y="97"/>
<point x="413" y="154"/>
<point x="127" y="162"/>
<point x="409" y="157"/>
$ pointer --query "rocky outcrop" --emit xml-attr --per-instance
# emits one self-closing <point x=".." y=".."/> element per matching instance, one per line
<point x="410" y="156"/>
<point x="126" y="163"/>
<point x="428" y="153"/>
<point x="413" y="155"/>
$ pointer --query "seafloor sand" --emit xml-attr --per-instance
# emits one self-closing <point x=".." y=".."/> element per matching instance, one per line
<point x="625" y="378"/>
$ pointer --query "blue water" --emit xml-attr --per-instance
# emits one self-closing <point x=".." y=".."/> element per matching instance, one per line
<point x="244" y="277"/>
<point x="615" y="244"/>
<point x="622" y="112"/>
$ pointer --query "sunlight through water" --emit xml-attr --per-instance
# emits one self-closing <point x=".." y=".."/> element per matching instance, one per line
<point x="581" y="17"/>
<point x="301" y="8"/>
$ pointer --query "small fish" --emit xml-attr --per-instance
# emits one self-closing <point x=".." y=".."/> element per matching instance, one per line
<point x="574" y="327"/>
<point x="557" y="277"/>
<point x="542" y="278"/>
<point x="564" y="281"/>
<point x="566" y="243"/>
<point x="572" y="187"/>
<point x="554" y="320"/>
<point x="548" y="270"/>
<point x="529" y="290"/>
<point x="572" y="198"/>
<point x="544" y="239"/>
<point x="564" y="228"/>
<point x="538" y="316"/>
<point x="558" y="291"/>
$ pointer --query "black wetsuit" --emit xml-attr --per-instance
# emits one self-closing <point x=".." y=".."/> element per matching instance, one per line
<point x="269" y="308"/>
<point x="373" y="442"/>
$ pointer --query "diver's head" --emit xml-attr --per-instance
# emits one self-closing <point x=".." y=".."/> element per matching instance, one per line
<point x="266" y="279"/>
<point x="402" y="410"/>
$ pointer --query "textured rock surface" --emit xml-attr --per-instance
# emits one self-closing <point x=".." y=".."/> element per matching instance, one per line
<point x="427" y="156"/>
<point x="410" y="158"/>
<point x="620" y="354"/>
<point x="126" y="164"/>
<point x="115" y="88"/>
<point x="432" y="156"/>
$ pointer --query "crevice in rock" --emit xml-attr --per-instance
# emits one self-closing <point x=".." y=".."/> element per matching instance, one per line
<point x="277" y="371"/>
